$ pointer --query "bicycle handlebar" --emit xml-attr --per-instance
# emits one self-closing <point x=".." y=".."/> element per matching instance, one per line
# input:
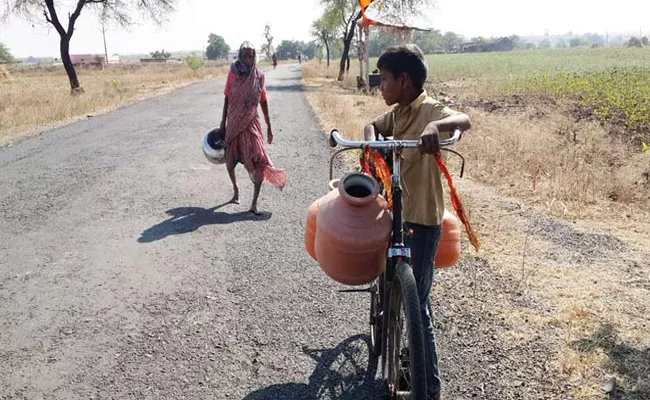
<point x="336" y="139"/>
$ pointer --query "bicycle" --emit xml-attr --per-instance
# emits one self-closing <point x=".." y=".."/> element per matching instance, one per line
<point x="403" y="367"/>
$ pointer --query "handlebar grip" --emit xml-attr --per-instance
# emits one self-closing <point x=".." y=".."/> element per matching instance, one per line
<point x="332" y="140"/>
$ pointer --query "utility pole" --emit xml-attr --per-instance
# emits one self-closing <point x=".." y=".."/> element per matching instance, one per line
<point x="104" y="36"/>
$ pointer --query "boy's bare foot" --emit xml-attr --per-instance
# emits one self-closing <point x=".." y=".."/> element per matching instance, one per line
<point x="253" y="210"/>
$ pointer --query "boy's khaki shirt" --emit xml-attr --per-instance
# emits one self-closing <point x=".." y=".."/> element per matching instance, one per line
<point x="423" y="193"/>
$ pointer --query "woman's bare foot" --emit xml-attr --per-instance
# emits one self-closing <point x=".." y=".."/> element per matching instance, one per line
<point x="235" y="198"/>
<point x="253" y="210"/>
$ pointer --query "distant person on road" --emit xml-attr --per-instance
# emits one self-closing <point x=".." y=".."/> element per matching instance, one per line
<point x="299" y="58"/>
<point x="274" y="58"/>
<point x="417" y="116"/>
<point x="245" y="89"/>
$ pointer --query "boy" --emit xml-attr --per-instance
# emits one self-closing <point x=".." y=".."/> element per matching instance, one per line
<point x="416" y="116"/>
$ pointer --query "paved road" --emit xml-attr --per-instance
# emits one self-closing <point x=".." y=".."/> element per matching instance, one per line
<point x="122" y="277"/>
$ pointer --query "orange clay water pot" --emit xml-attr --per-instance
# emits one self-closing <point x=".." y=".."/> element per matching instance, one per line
<point x="449" y="248"/>
<point x="310" y="228"/>
<point x="353" y="231"/>
<point x="311" y="224"/>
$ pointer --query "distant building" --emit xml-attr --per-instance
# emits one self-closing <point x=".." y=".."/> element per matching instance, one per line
<point x="98" y="60"/>
<point x="153" y="60"/>
<point x="261" y="56"/>
<point x="501" y="44"/>
<point x="86" y="59"/>
<point x="232" y="56"/>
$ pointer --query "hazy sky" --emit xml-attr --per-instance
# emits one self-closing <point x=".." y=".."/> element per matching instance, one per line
<point x="243" y="20"/>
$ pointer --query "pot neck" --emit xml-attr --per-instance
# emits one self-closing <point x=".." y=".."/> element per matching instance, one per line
<point x="358" y="190"/>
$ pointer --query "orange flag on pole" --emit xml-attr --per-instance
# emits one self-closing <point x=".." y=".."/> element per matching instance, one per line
<point x="364" y="5"/>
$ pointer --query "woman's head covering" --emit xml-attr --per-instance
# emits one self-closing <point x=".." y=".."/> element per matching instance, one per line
<point x="239" y="67"/>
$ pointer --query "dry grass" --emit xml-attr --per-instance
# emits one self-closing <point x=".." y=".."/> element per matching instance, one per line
<point x="33" y="98"/>
<point x="581" y="282"/>
<point x="535" y="151"/>
<point x="571" y="169"/>
<point x="337" y="106"/>
<point x="4" y="73"/>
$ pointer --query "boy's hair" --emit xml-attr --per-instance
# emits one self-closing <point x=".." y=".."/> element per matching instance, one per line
<point x="405" y="58"/>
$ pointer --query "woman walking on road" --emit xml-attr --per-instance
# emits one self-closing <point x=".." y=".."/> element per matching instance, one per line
<point x="245" y="89"/>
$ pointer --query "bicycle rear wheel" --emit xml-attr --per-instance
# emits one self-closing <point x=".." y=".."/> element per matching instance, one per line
<point x="405" y="361"/>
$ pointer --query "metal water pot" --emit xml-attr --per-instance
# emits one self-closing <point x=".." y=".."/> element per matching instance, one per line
<point x="214" y="146"/>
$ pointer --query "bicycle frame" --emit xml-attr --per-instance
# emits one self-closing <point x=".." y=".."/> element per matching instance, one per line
<point x="397" y="251"/>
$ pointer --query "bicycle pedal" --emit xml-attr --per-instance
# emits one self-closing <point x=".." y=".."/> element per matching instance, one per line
<point x="404" y="354"/>
<point x="403" y="383"/>
<point x="367" y="290"/>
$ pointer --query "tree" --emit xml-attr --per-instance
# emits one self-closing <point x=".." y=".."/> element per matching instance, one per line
<point x="515" y="40"/>
<point x="5" y="54"/>
<point x="217" y="47"/>
<point x="160" y="55"/>
<point x="575" y="42"/>
<point x="289" y="49"/>
<point x="379" y="41"/>
<point x="561" y="44"/>
<point x="479" y="40"/>
<point x="348" y="13"/>
<point x="324" y="29"/>
<point x="545" y="44"/>
<point x="451" y="41"/>
<point x="120" y="11"/>
<point x="267" y="47"/>
<point x="194" y="62"/>
<point x="429" y="42"/>
<point x="309" y="49"/>
<point x="594" y="38"/>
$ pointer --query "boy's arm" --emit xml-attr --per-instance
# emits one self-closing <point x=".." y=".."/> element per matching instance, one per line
<point x="430" y="138"/>
<point x="447" y="124"/>
<point x="383" y="125"/>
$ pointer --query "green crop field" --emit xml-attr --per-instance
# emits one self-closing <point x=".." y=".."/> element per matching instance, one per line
<point x="610" y="84"/>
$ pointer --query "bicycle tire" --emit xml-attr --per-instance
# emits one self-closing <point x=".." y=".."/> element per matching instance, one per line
<point x="376" y="317"/>
<point x="404" y="295"/>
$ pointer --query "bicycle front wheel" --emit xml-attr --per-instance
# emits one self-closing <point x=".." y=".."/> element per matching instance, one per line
<point x="376" y="316"/>
<point x="406" y="371"/>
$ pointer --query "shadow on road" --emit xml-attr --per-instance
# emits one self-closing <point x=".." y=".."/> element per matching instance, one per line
<point x="345" y="372"/>
<point x="287" y="78"/>
<point x="188" y="219"/>
<point x="284" y="88"/>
